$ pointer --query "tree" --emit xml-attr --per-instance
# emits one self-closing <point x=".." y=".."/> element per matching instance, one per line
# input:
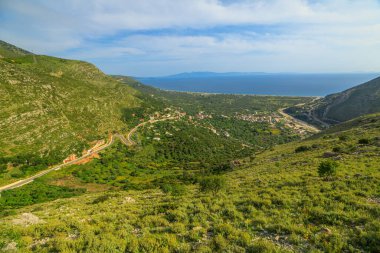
<point x="222" y="167"/>
<point x="327" y="168"/>
<point x="212" y="184"/>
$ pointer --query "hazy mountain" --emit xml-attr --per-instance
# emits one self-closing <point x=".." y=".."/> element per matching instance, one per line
<point x="207" y="74"/>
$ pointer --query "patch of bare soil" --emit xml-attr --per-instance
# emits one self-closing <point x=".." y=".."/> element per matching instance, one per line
<point x="88" y="159"/>
<point x="72" y="182"/>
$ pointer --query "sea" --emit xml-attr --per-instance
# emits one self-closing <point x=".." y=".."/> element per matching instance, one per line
<point x="262" y="84"/>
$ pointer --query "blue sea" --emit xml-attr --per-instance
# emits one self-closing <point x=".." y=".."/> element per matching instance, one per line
<point x="263" y="84"/>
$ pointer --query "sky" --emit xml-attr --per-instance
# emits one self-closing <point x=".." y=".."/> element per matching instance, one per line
<point x="163" y="37"/>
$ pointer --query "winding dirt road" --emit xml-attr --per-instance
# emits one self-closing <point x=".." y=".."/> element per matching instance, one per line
<point x="126" y="141"/>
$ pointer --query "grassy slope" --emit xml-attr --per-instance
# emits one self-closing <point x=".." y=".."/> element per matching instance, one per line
<point x="8" y="51"/>
<point x="57" y="105"/>
<point x="276" y="202"/>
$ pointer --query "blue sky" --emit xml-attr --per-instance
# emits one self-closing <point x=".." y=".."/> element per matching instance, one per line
<point x="161" y="37"/>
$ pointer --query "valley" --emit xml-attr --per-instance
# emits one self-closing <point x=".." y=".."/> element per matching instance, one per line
<point x="148" y="170"/>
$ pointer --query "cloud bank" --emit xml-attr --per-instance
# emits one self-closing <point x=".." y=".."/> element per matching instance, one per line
<point x="157" y="37"/>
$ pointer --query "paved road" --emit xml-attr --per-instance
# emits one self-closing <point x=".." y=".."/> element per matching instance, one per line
<point x="298" y="122"/>
<point x="127" y="141"/>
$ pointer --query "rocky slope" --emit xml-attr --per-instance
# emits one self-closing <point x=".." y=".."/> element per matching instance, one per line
<point x="335" y="108"/>
<point x="49" y="104"/>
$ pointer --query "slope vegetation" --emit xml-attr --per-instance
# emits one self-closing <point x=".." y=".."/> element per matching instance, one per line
<point x="54" y="107"/>
<point x="274" y="202"/>
<point x="8" y="51"/>
<point x="335" y="108"/>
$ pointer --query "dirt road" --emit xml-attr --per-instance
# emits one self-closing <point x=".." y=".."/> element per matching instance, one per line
<point x="126" y="141"/>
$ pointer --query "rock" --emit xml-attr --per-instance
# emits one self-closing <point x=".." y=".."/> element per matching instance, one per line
<point x="326" y="231"/>
<point x="27" y="219"/>
<point x="329" y="154"/>
<point x="39" y="242"/>
<point x="129" y="200"/>
<point x="12" y="246"/>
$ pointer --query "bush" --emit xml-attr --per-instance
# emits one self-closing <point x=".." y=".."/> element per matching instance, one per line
<point x="302" y="149"/>
<point x="212" y="184"/>
<point x="327" y="168"/>
<point x="363" y="141"/>
<point x="100" y="199"/>
<point x="221" y="168"/>
<point x="174" y="189"/>
<point x="3" y="168"/>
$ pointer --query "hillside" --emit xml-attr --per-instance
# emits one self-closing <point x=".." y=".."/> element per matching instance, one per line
<point x="51" y="107"/>
<point x="335" y="108"/>
<point x="221" y="173"/>
<point x="8" y="50"/>
<point x="273" y="202"/>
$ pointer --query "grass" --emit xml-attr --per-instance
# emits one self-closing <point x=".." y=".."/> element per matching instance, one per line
<point x="275" y="203"/>
<point x="55" y="107"/>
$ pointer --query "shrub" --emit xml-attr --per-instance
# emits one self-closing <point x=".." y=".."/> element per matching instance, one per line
<point x="221" y="168"/>
<point x="364" y="141"/>
<point x="174" y="189"/>
<point x="3" y="168"/>
<point x="212" y="184"/>
<point x="327" y="168"/>
<point x="100" y="199"/>
<point x="302" y="149"/>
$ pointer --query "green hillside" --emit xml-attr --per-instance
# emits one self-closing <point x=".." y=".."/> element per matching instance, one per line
<point x="221" y="173"/>
<point x="275" y="202"/>
<point x="335" y="108"/>
<point x="53" y="107"/>
<point x="8" y="51"/>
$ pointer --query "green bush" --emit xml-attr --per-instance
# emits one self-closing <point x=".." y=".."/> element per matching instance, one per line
<point x="302" y="149"/>
<point x="327" y="168"/>
<point x="337" y="149"/>
<point x="212" y="184"/>
<point x="221" y="168"/>
<point x="3" y="168"/>
<point x="174" y="189"/>
<point x="364" y="141"/>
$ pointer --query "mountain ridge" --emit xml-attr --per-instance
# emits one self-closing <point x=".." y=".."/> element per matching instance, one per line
<point x="9" y="50"/>
<point x="342" y="106"/>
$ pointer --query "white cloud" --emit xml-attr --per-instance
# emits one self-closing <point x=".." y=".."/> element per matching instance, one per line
<point x="323" y="35"/>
